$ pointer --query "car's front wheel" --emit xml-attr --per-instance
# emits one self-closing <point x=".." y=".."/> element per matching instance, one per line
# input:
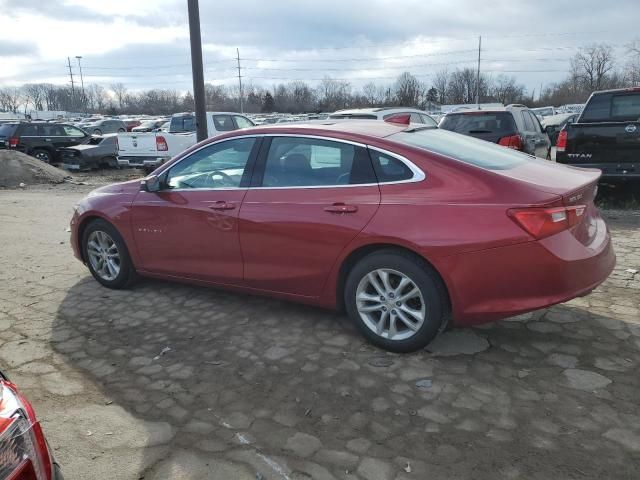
<point x="97" y="132"/>
<point x="396" y="300"/>
<point x="107" y="256"/>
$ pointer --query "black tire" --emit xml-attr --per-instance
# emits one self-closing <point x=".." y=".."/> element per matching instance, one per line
<point x="42" y="155"/>
<point x="127" y="273"/>
<point x="121" y="130"/>
<point x="97" y="132"/>
<point x="423" y="277"/>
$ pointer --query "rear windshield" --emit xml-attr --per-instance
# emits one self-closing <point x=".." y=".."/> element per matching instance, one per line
<point x="7" y="129"/>
<point x="470" y="123"/>
<point x="463" y="148"/>
<point x="610" y="107"/>
<point x="182" y="124"/>
<point x="355" y="116"/>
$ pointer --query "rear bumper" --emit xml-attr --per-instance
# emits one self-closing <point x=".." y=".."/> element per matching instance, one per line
<point x="506" y="281"/>
<point x="141" y="162"/>
<point x="612" y="170"/>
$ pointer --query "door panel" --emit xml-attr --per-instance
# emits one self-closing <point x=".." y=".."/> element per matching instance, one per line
<point x="184" y="233"/>
<point x="190" y="228"/>
<point x="319" y="195"/>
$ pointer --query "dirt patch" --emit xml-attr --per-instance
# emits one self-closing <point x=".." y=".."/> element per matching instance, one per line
<point x="18" y="169"/>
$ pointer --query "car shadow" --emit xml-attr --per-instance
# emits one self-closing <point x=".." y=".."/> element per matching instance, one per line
<point x="234" y="373"/>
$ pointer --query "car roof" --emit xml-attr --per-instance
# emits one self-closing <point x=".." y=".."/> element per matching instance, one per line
<point x="356" y="128"/>
<point x="377" y="110"/>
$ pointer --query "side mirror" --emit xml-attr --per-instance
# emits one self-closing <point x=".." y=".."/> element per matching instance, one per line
<point x="150" y="184"/>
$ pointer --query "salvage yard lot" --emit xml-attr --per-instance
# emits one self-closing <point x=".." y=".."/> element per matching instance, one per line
<point x="174" y="381"/>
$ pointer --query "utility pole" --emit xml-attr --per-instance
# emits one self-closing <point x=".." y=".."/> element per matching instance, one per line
<point x="84" y="96"/>
<point x="73" y="88"/>
<point x="478" y="77"/>
<point x="240" y="80"/>
<point x="197" y="69"/>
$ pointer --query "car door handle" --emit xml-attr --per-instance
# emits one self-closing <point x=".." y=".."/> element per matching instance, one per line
<point x="222" y="205"/>
<point x="341" y="208"/>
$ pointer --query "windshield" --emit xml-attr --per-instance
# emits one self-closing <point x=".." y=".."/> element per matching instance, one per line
<point x="462" y="148"/>
<point x="470" y="123"/>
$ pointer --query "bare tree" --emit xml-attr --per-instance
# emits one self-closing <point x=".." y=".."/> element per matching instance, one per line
<point x="120" y="91"/>
<point x="506" y="90"/>
<point x="408" y="90"/>
<point x="632" y="66"/>
<point x="34" y="93"/>
<point x="441" y="84"/>
<point x="592" y="64"/>
<point x="10" y="99"/>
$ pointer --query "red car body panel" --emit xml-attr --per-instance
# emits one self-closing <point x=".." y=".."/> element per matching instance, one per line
<point x="282" y="242"/>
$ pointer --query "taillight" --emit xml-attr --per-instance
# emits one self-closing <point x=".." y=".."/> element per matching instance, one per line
<point x="13" y="142"/>
<point x="161" y="144"/>
<point x="561" y="143"/>
<point x="23" y="450"/>
<point x="512" y="141"/>
<point x="544" y="222"/>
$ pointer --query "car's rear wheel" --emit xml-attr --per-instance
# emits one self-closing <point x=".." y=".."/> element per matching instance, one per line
<point x="396" y="300"/>
<point x="108" y="162"/>
<point x="121" y="130"/>
<point x="107" y="255"/>
<point x="97" y="132"/>
<point x="43" y="155"/>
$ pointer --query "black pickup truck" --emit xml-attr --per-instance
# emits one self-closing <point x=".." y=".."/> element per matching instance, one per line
<point x="606" y="136"/>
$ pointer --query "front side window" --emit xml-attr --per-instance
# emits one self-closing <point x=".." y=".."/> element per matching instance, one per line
<point x="311" y="162"/>
<point x="223" y="123"/>
<point x="182" y="124"/>
<point x="243" y="122"/>
<point x="221" y="165"/>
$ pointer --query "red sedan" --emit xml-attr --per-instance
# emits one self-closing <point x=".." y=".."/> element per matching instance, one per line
<point x="407" y="227"/>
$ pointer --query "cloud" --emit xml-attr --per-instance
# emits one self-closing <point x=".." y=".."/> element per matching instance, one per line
<point x="12" y="48"/>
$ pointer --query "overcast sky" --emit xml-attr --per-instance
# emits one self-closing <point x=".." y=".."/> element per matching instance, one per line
<point x="145" y="43"/>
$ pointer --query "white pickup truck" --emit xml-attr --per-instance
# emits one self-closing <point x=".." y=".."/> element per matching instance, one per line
<point x="152" y="149"/>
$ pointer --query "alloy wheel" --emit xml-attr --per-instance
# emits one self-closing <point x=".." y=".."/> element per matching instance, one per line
<point x="103" y="255"/>
<point x="390" y="304"/>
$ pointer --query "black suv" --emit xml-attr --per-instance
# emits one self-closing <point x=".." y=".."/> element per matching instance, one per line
<point x="513" y="126"/>
<point x="40" y="139"/>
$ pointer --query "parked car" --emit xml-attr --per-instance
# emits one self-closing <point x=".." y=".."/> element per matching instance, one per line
<point x="131" y="123"/>
<point x="513" y="126"/>
<point x="542" y="112"/>
<point x="401" y="225"/>
<point x="553" y="124"/>
<point x="148" y="150"/>
<point x="40" y="139"/>
<point x="605" y="136"/>
<point x="24" y="452"/>
<point x="105" y="125"/>
<point x="98" y="152"/>
<point x="382" y="113"/>
<point x="149" y="126"/>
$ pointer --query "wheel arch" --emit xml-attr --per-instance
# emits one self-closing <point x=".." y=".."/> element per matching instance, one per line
<point x="359" y="253"/>
<point x="86" y="221"/>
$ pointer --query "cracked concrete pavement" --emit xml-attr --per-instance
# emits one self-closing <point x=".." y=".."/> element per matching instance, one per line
<point x="174" y="381"/>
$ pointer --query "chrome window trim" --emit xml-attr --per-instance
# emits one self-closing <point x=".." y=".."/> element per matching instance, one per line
<point x="418" y="174"/>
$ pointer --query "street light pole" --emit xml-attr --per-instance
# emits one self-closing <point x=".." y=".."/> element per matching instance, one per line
<point x="197" y="69"/>
<point x="84" y="96"/>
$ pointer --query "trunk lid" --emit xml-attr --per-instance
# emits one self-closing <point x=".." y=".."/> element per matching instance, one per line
<point x="132" y="144"/>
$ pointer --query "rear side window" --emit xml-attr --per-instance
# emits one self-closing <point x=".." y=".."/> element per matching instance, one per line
<point x="243" y="122"/>
<point x="463" y="148"/>
<point x="182" y="124"/>
<point x="614" y="108"/>
<point x="223" y="123"/>
<point x="388" y="168"/>
<point x="31" y="130"/>
<point x="427" y="120"/>
<point x="312" y="162"/>
<point x="470" y="123"/>
<point x="528" y="123"/>
<point x="7" y="129"/>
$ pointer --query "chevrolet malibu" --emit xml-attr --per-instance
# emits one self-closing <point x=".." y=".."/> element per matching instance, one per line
<point x="409" y="228"/>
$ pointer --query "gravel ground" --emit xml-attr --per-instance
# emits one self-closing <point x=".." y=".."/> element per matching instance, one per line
<point x="168" y="381"/>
